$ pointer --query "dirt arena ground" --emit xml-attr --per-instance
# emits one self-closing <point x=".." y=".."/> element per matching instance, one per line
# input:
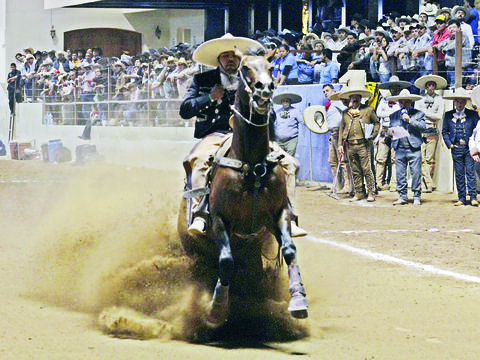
<point x="383" y="282"/>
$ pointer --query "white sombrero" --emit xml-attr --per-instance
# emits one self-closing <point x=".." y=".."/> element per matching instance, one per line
<point x="423" y="80"/>
<point x="208" y="52"/>
<point x="315" y="118"/>
<point x="405" y="95"/>
<point x="458" y="93"/>
<point x="294" y="98"/>
<point x="476" y="96"/>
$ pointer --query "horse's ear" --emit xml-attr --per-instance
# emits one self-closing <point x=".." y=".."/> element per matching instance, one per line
<point x="238" y="53"/>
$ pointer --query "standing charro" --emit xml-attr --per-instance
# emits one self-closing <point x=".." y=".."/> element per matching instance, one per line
<point x="386" y="108"/>
<point x="359" y="124"/>
<point x="209" y="99"/>
<point x="458" y="127"/>
<point x="406" y="128"/>
<point x="432" y="105"/>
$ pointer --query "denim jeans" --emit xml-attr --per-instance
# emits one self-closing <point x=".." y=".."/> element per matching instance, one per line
<point x="464" y="167"/>
<point x="413" y="158"/>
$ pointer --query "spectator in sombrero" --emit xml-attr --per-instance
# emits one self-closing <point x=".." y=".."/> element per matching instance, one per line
<point x="461" y="14"/>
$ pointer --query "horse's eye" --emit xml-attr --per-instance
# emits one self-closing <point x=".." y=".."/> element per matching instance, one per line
<point x="258" y="85"/>
<point x="271" y="86"/>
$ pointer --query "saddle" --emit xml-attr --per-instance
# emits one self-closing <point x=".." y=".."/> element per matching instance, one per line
<point x="220" y="159"/>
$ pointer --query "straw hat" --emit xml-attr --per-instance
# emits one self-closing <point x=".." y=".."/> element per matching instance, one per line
<point x="294" y="98"/>
<point x="182" y="61"/>
<point x="314" y="43"/>
<point x="423" y="80"/>
<point x="344" y="29"/>
<point x="476" y="96"/>
<point x="456" y="94"/>
<point x="171" y="59"/>
<point x="429" y="9"/>
<point x="208" y="52"/>
<point x="315" y="118"/>
<point x="119" y="63"/>
<point x="355" y="81"/>
<point x="405" y="95"/>
<point x="444" y="10"/>
<point x="458" y="7"/>
<point x="312" y="36"/>
<point x="394" y="81"/>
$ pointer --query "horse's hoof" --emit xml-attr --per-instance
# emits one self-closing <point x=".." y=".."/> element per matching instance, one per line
<point x="299" y="314"/>
<point x="216" y="316"/>
<point x="218" y="313"/>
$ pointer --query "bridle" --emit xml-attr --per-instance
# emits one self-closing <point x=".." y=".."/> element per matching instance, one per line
<point x="252" y="94"/>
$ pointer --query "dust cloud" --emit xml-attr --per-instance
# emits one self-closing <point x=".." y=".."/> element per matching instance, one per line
<point x="108" y="245"/>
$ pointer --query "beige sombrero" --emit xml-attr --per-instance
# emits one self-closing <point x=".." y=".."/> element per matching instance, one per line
<point x="208" y="52"/>
<point x="294" y="98"/>
<point x="458" y="93"/>
<point x="394" y="81"/>
<point x="336" y="96"/>
<point x="476" y="96"/>
<point x="355" y="81"/>
<point x="423" y="80"/>
<point x="315" y="118"/>
<point x="404" y="95"/>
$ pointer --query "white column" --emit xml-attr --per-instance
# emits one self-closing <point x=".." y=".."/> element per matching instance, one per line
<point x="4" y="64"/>
<point x="380" y="9"/>
<point x="280" y="15"/>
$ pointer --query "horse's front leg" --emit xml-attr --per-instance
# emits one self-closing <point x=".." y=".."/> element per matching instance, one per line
<point x="219" y="307"/>
<point x="298" y="301"/>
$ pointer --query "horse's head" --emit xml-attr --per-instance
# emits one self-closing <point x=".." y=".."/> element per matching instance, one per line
<point x="256" y="83"/>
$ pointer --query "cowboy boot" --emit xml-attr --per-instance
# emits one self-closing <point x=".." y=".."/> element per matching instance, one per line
<point x="298" y="301"/>
<point x="219" y="306"/>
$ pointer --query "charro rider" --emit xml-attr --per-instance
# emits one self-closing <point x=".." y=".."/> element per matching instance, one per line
<point x="209" y="99"/>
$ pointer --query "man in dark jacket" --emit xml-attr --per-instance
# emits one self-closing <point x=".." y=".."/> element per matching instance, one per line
<point x="13" y="87"/>
<point x="406" y="128"/>
<point x="458" y="126"/>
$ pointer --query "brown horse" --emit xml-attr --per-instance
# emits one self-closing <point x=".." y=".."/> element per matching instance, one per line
<point x="248" y="198"/>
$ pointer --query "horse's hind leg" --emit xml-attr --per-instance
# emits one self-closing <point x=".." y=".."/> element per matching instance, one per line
<point x="298" y="301"/>
<point x="219" y="306"/>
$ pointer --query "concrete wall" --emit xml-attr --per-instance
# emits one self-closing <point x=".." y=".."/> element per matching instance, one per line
<point x="153" y="147"/>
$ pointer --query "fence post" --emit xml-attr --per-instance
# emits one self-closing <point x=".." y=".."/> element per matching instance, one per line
<point x="458" y="58"/>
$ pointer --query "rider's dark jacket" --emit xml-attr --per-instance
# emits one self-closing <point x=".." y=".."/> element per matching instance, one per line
<point x="211" y="116"/>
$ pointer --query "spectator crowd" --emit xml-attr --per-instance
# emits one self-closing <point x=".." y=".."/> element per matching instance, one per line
<point x="84" y="77"/>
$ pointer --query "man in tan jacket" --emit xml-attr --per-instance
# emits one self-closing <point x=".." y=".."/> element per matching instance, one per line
<point x="359" y="125"/>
